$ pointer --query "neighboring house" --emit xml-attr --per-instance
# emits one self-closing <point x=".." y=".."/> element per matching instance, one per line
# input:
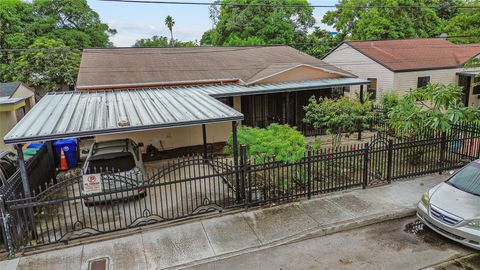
<point x="401" y="65"/>
<point x="15" y="101"/>
<point x="266" y="84"/>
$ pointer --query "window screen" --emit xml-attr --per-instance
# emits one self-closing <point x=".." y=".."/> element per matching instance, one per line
<point x="372" y="88"/>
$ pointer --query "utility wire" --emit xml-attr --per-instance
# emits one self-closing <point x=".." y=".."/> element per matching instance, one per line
<point x="278" y="5"/>
<point x="233" y="48"/>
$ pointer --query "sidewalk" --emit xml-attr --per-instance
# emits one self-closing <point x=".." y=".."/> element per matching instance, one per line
<point x="231" y="234"/>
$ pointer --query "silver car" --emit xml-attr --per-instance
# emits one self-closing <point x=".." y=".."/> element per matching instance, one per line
<point x="112" y="171"/>
<point x="452" y="208"/>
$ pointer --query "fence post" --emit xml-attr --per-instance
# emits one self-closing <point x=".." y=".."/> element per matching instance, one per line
<point x="365" y="166"/>
<point x="443" y="148"/>
<point x="6" y="230"/>
<point x="390" y="161"/>
<point x="309" y="174"/>
<point x="243" y="174"/>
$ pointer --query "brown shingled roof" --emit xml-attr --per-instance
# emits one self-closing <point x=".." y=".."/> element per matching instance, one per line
<point x="143" y="66"/>
<point x="417" y="54"/>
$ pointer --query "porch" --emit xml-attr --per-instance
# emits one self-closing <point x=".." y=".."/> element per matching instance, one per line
<point x="470" y="82"/>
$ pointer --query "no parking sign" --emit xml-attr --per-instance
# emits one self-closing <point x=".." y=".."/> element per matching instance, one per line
<point x="92" y="183"/>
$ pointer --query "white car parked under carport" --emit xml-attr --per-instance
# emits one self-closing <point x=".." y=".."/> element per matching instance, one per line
<point x="452" y="208"/>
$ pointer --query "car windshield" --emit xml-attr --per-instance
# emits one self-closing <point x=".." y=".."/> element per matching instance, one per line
<point x="118" y="162"/>
<point x="468" y="179"/>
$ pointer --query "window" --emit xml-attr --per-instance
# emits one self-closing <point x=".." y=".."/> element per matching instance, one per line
<point x="423" y="81"/>
<point x="476" y="86"/>
<point x="468" y="179"/>
<point x="372" y="88"/>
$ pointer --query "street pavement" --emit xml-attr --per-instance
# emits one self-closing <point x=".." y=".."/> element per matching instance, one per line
<point x="230" y="235"/>
<point x="400" y="244"/>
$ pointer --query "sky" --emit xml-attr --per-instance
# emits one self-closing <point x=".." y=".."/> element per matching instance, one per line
<point x="135" y="21"/>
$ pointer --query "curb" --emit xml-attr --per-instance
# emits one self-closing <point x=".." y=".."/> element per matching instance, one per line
<point x="313" y="233"/>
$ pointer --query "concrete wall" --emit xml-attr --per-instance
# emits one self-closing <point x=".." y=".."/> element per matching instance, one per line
<point x="302" y="73"/>
<point x="8" y="119"/>
<point x="165" y="139"/>
<point x="351" y="60"/>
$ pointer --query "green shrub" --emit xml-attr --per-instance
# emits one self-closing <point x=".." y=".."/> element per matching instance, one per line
<point x="282" y="141"/>
<point x="388" y="102"/>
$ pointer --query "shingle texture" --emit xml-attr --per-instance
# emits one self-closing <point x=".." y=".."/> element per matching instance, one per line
<point x="417" y="54"/>
<point x="124" y="66"/>
<point x="7" y="89"/>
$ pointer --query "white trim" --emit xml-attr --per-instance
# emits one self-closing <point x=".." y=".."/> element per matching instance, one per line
<point x="297" y="66"/>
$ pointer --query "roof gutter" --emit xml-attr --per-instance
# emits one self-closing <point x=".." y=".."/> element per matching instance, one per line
<point x="155" y="84"/>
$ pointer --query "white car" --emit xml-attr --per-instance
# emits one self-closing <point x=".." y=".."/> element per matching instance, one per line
<point x="113" y="166"/>
<point x="452" y="208"/>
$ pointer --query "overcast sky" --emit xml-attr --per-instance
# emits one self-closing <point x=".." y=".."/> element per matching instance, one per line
<point x="134" y="21"/>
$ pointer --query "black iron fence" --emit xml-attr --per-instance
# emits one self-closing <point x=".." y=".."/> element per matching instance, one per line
<point x="79" y="206"/>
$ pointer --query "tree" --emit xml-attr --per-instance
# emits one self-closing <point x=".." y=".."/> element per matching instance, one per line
<point x="384" y="23"/>
<point x="169" y="22"/>
<point x="338" y="116"/>
<point x="72" y="21"/>
<point x="155" y="41"/>
<point x="466" y="24"/>
<point x="238" y="25"/>
<point x="320" y="42"/>
<point x="435" y="107"/>
<point x="160" y="41"/>
<point x="280" y="141"/>
<point x="44" y="23"/>
<point x="48" y="66"/>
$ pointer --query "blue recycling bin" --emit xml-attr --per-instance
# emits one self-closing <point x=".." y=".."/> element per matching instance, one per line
<point x="70" y="149"/>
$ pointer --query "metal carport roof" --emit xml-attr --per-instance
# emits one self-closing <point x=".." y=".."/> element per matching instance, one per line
<point x="230" y="90"/>
<point x="87" y="113"/>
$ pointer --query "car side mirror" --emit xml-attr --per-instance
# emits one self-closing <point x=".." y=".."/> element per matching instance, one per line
<point x="451" y="172"/>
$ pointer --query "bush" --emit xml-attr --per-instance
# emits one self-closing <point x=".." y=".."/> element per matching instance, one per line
<point x="282" y="141"/>
<point x="388" y="102"/>
<point x="338" y="116"/>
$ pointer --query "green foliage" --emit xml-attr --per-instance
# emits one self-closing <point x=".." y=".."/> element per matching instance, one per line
<point x="47" y="70"/>
<point x="435" y="107"/>
<point x="338" y="116"/>
<point x="237" y="25"/>
<point x="465" y="23"/>
<point x="320" y="42"/>
<point x="388" y="102"/>
<point x="280" y="141"/>
<point x="45" y="24"/>
<point x="384" y="23"/>
<point x="155" y="41"/>
<point x="71" y="21"/>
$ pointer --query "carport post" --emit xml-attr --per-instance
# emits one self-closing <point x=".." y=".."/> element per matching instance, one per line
<point x="362" y="94"/>
<point x="205" y="150"/>
<point x="26" y="186"/>
<point x="235" y="160"/>
<point x="51" y="154"/>
<point x="23" y="171"/>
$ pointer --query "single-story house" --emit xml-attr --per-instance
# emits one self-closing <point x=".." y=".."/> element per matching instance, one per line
<point x="264" y="84"/>
<point x="15" y="101"/>
<point x="401" y="65"/>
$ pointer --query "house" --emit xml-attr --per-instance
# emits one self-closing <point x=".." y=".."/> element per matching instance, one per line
<point x="15" y="101"/>
<point x="265" y="84"/>
<point x="401" y="65"/>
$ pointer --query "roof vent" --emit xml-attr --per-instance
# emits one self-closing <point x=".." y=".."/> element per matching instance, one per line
<point x="123" y="122"/>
